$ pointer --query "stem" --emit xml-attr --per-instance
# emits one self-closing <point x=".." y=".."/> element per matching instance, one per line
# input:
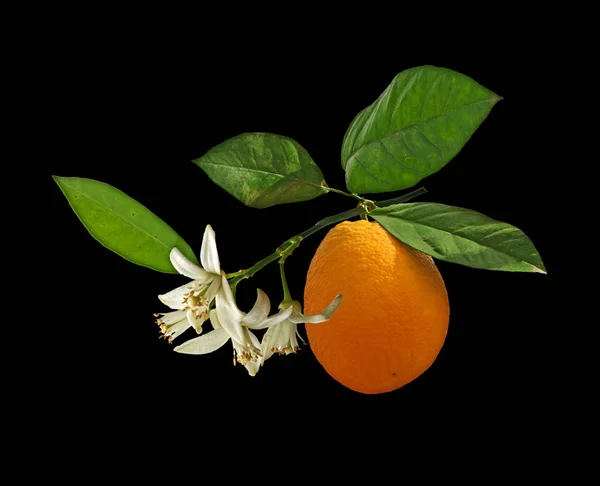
<point x="407" y="197"/>
<point x="290" y="245"/>
<point x="281" y="253"/>
<point x="336" y="218"/>
<point x="352" y="195"/>
<point x="337" y="191"/>
<point x="284" y="284"/>
<point x="242" y="274"/>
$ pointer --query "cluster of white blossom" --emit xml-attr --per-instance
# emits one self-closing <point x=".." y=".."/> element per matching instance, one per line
<point x="192" y="306"/>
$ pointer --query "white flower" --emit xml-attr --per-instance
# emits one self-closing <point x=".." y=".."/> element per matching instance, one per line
<point x="281" y="338"/>
<point x="230" y="323"/>
<point x="191" y="302"/>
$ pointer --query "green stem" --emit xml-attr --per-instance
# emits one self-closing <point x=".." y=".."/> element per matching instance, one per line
<point x="290" y="245"/>
<point x="337" y="191"/>
<point x="397" y="200"/>
<point x="281" y="253"/>
<point x="347" y="194"/>
<point x="336" y="218"/>
<point x="247" y="273"/>
<point x="284" y="284"/>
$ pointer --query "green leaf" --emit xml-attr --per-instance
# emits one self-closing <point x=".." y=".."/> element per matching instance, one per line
<point x="417" y="125"/>
<point x="122" y="224"/>
<point x="460" y="235"/>
<point x="262" y="169"/>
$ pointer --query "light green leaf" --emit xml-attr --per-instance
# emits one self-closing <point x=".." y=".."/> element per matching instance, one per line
<point x="460" y="235"/>
<point x="263" y="169"/>
<point x="417" y="125"/>
<point x="122" y="224"/>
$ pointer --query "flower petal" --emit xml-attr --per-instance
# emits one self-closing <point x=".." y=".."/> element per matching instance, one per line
<point x="228" y="318"/>
<point x="253" y="367"/>
<point x="209" y="257"/>
<point x="193" y="321"/>
<point x="293" y="342"/>
<point x="174" y="298"/>
<point x="187" y="268"/>
<point x="273" y="320"/>
<point x="325" y="314"/>
<point x="214" y="319"/>
<point x="254" y="340"/>
<point x="298" y="334"/>
<point x="205" y="344"/>
<point x="176" y="330"/>
<point x="268" y="341"/>
<point x="170" y="318"/>
<point x="259" y="312"/>
<point x="228" y="299"/>
<point x="212" y="290"/>
<point x="250" y="354"/>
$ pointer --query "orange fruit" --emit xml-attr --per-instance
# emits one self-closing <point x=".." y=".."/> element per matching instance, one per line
<point x="393" y="319"/>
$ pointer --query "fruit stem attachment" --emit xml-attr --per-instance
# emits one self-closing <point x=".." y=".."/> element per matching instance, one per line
<point x="291" y="244"/>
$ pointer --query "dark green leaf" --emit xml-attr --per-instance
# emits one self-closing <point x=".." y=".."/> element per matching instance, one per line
<point x="262" y="169"/>
<point x="461" y="236"/>
<point x="122" y="224"/>
<point x="417" y="125"/>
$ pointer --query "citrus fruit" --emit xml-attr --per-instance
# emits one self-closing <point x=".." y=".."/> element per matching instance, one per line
<point x="393" y="319"/>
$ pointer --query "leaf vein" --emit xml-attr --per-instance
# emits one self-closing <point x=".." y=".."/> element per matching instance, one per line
<point x="354" y="158"/>
<point x="407" y="87"/>
<point x="428" y="94"/>
<point x="427" y="138"/>
<point x="283" y="176"/>
<point x="422" y="123"/>
<point x="397" y="160"/>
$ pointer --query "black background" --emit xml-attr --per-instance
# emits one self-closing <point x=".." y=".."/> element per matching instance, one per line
<point x="135" y="110"/>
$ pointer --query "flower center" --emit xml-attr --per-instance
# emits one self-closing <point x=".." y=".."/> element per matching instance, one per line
<point x="243" y="356"/>
<point x="197" y="303"/>
<point x="285" y="350"/>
